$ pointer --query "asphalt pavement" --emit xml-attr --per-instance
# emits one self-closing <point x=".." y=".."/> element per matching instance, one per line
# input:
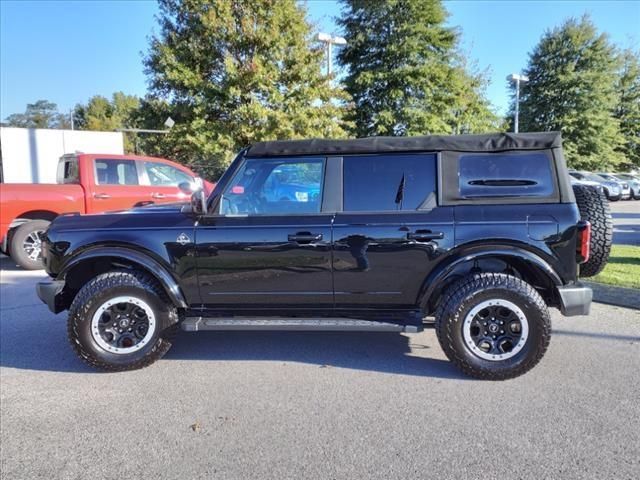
<point x="626" y="222"/>
<point x="244" y="405"/>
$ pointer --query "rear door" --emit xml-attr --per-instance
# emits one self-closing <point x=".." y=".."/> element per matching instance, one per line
<point x="116" y="185"/>
<point x="390" y="231"/>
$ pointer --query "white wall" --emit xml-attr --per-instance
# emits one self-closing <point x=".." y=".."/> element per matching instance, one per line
<point x="30" y="155"/>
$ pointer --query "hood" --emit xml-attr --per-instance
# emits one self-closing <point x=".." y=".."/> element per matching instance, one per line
<point x="140" y="217"/>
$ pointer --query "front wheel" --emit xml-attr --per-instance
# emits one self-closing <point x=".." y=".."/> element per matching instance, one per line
<point x="493" y="326"/>
<point x="121" y="320"/>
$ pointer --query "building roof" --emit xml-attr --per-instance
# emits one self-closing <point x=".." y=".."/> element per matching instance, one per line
<point x="493" y="142"/>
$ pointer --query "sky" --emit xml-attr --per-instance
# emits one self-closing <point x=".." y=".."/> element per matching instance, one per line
<point x="67" y="51"/>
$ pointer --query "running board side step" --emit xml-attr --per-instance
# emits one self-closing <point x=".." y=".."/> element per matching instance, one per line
<point x="196" y="324"/>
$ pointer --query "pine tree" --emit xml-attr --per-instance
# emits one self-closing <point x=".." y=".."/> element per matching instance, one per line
<point x="239" y="71"/>
<point x="628" y="109"/>
<point x="405" y="73"/>
<point x="571" y="88"/>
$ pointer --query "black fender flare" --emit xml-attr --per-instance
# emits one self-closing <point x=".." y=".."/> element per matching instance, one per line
<point x="159" y="271"/>
<point x="469" y="254"/>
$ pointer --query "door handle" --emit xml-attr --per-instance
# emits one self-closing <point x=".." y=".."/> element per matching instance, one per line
<point x="157" y="195"/>
<point x="424" y="235"/>
<point x="305" y="237"/>
<point x="101" y="196"/>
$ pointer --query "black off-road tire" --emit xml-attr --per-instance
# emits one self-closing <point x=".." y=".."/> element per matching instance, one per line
<point x="469" y="292"/>
<point x="110" y="285"/>
<point x="17" y="241"/>
<point x="594" y="208"/>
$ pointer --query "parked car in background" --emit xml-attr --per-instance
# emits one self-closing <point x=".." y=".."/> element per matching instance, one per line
<point x="597" y="186"/>
<point x="612" y="189"/>
<point x="624" y="185"/>
<point x="86" y="183"/>
<point x="634" y="183"/>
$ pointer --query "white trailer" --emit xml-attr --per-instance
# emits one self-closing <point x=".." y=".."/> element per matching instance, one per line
<point x="30" y="155"/>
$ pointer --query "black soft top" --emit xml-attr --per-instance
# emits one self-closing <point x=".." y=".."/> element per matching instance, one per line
<point x="493" y="142"/>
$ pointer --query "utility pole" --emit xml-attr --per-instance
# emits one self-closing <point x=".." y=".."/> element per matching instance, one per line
<point x="517" y="79"/>
<point x="328" y="42"/>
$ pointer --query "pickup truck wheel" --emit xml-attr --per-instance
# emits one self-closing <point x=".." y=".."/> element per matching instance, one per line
<point x="493" y="326"/>
<point x="594" y="208"/>
<point x="121" y="320"/>
<point x="25" y="247"/>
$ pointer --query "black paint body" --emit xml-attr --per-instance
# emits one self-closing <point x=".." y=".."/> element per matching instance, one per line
<point x="358" y="263"/>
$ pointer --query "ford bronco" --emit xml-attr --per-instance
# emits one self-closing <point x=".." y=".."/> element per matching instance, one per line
<point x="477" y="235"/>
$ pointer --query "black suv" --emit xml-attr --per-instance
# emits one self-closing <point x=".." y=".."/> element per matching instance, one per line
<point x="481" y="232"/>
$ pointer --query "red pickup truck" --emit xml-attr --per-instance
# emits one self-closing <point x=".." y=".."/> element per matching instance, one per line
<point x="87" y="183"/>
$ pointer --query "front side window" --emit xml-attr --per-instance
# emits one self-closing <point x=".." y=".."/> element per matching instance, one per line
<point x="273" y="187"/>
<point x="116" y="172"/>
<point x="388" y="182"/>
<point x="506" y="175"/>
<point x="163" y="175"/>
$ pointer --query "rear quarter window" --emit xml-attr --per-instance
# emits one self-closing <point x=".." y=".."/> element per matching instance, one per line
<point x="498" y="175"/>
<point x="68" y="171"/>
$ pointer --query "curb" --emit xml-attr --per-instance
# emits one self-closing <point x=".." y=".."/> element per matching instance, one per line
<point x="620" y="296"/>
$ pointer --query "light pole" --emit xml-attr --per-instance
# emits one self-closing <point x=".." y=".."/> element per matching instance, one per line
<point x="517" y="79"/>
<point x="329" y="41"/>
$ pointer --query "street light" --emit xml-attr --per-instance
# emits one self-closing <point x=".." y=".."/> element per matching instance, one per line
<point x="328" y="41"/>
<point x="517" y="79"/>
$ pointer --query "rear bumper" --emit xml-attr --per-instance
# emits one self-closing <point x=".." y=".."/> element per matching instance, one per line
<point x="575" y="300"/>
<point x="51" y="294"/>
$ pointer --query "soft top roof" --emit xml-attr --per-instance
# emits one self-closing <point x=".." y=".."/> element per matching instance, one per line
<point x="493" y="142"/>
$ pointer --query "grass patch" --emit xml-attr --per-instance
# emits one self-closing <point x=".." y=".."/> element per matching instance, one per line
<point x="623" y="267"/>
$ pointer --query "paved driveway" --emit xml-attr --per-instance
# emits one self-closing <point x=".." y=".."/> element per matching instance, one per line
<point x="294" y="405"/>
<point x="626" y="222"/>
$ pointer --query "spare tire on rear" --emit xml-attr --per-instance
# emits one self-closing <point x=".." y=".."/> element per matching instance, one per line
<point x="594" y="208"/>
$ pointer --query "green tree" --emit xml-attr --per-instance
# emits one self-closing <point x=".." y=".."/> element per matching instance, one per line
<point x="572" y="88"/>
<point x="41" y="114"/>
<point x="102" y="114"/>
<point x="628" y="108"/>
<point x="238" y="71"/>
<point x="405" y="72"/>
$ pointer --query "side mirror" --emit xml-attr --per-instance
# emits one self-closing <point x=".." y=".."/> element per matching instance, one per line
<point x="199" y="202"/>
<point x="198" y="196"/>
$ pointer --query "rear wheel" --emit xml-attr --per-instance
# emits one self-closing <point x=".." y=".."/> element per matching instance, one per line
<point x="594" y="208"/>
<point x="25" y="247"/>
<point x="493" y="326"/>
<point x="121" y="320"/>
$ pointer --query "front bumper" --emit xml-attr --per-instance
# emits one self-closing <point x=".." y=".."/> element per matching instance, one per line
<point x="575" y="300"/>
<point x="51" y="294"/>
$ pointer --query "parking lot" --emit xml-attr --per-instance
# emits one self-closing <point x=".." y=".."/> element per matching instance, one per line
<point x="626" y="222"/>
<point x="296" y="405"/>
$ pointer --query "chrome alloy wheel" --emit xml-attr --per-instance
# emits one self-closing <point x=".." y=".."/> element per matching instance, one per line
<point x="495" y="330"/>
<point x="32" y="245"/>
<point x="123" y="325"/>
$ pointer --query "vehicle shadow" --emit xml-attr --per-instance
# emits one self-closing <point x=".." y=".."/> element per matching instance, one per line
<point x="31" y="339"/>
<point x="7" y="264"/>
<point x="371" y="351"/>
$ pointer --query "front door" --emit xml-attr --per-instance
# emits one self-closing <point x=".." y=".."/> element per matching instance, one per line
<point x="390" y="232"/>
<point x="269" y="244"/>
